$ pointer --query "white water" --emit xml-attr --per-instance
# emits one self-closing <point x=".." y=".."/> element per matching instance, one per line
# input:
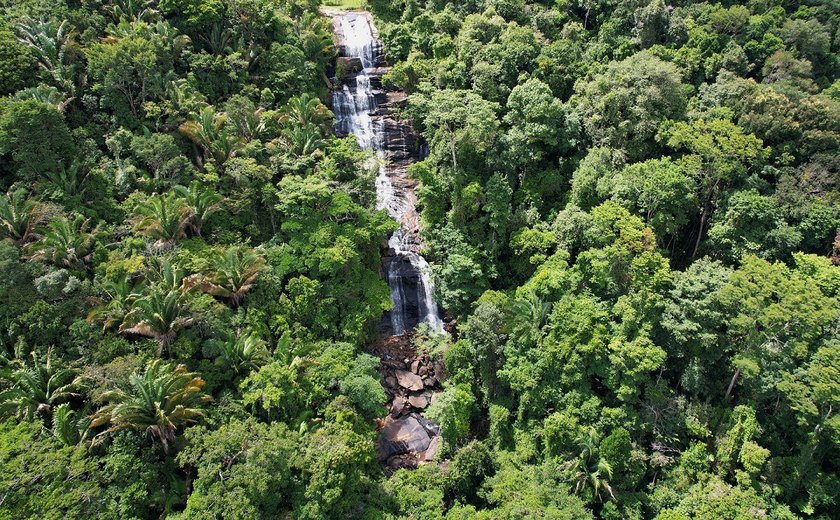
<point x="355" y="106"/>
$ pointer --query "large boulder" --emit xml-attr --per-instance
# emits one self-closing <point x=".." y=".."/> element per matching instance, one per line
<point x="404" y="435"/>
<point x="408" y="380"/>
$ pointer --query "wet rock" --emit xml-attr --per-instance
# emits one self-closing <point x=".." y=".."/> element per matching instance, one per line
<point x="393" y="363"/>
<point x="408" y="380"/>
<point x="348" y="65"/>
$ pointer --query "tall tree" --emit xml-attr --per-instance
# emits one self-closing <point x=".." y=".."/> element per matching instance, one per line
<point x="718" y="154"/>
<point x="623" y="107"/>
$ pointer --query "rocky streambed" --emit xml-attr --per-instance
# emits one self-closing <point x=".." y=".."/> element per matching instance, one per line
<point x="412" y="382"/>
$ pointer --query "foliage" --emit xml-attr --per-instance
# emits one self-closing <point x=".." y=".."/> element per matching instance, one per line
<point x="158" y="401"/>
<point x="629" y="211"/>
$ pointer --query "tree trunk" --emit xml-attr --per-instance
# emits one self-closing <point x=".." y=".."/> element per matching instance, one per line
<point x="734" y="380"/>
<point x="704" y="215"/>
<point x="452" y="151"/>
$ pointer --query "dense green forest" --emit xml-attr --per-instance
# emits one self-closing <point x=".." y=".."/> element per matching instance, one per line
<point x="631" y="210"/>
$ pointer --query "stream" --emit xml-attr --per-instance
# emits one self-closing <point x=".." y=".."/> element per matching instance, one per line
<point x="365" y="109"/>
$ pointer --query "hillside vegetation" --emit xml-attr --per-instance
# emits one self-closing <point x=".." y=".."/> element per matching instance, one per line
<point x="630" y="210"/>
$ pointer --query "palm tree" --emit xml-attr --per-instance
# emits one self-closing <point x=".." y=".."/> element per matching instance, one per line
<point x="159" y="314"/>
<point x="66" y="243"/>
<point x="132" y="11"/>
<point x="201" y="202"/>
<point x="316" y="38"/>
<point x="234" y="272"/>
<point x="302" y="140"/>
<point x="18" y="216"/>
<point x="66" y="181"/>
<point x="304" y="110"/>
<point x="158" y="400"/>
<point x="164" y="219"/>
<point x="35" y="389"/>
<point x="50" y="42"/>
<point x="164" y="275"/>
<point x="589" y="470"/>
<point x="121" y="294"/>
<point x="243" y="353"/>
<point x="67" y="427"/>
<point x="530" y="317"/>
<point x="208" y="130"/>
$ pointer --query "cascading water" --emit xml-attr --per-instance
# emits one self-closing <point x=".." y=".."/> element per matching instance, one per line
<point x="360" y="109"/>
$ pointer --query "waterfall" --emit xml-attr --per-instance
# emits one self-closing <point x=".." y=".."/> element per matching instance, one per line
<point x="361" y="109"/>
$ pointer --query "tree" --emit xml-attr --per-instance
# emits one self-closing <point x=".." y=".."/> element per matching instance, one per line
<point x="158" y="401"/>
<point x="538" y="124"/>
<point x="16" y="62"/>
<point x="163" y="218"/>
<point x="66" y="243"/>
<point x="129" y="72"/>
<point x="37" y="389"/>
<point x="458" y="123"/>
<point x="452" y="410"/>
<point x="752" y="224"/>
<point x="719" y="153"/>
<point x="193" y="16"/>
<point x="35" y="137"/>
<point x="234" y="272"/>
<point x="245" y="469"/>
<point x="18" y="216"/>
<point x="658" y="189"/>
<point x="778" y="317"/>
<point x="201" y="202"/>
<point x="623" y="107"/>
<point x="159" y="314"/>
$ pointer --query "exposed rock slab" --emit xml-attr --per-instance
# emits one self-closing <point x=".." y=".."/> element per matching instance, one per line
<point x="408" y="380"/>
<point x="406" y="435"/>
